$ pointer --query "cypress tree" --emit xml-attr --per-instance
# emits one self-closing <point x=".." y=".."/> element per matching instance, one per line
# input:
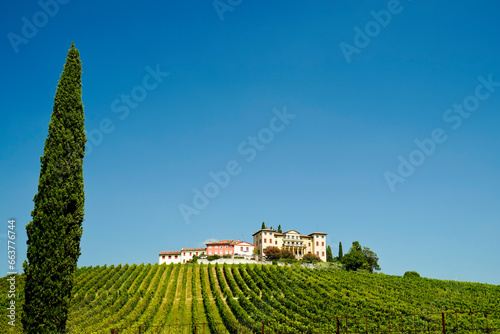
<point x="56" y="227"/>
<point x="341" y="254"/>
<point x="263" y="226"/>
<point x="329" y="255"/>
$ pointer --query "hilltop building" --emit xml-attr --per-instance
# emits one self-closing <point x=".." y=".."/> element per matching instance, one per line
<point x="299" y="244"/>
<point x="221" y="248"/>
<point x="232" y="247"/>
<point x="182" y="256"/>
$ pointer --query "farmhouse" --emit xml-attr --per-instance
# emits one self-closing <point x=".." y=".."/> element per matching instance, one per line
<point x="299" y="244"/>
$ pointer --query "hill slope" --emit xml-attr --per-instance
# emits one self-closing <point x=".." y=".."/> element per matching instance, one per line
<point x="124" y="296"/>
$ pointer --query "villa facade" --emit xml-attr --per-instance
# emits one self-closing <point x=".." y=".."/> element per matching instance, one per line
<point x="298" y="244"/>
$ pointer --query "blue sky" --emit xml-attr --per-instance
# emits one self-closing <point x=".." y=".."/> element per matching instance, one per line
<point x="374" y="121"/>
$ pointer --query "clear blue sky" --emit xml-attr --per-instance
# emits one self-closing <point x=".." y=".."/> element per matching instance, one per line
<point x="356" y="86"/>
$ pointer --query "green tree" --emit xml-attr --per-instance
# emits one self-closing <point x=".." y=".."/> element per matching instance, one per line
<point x="341" y="253"/>
<point x="411" y="274"/>
<point x="263" y="226"/>
<point x="329" y="255"/>
<point x="360" y="258"/>
<point x="279" y="229"/>
<point x="371" y="259"/>
<point x="353" y="260"/>
<point x="55" y="230"/>
<point x="272" y="252"/>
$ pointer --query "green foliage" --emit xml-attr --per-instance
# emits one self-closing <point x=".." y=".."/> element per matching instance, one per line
<point x="341" y="253"/>
<point x="289" y="299"/>
<point x="329" y="255"/>
<point x="56" y="227"/>
<point x="227" y="256"/>
<point x="411" y="274"/>
<point x="328" y="266"/>
<point x="263" y="225"/>
<point x="272" y="252"/>
<point x="213" y="257"/>
<point x="279" y="229"/>
<point x="360" y="258"/>
<point x="286" y="254"/>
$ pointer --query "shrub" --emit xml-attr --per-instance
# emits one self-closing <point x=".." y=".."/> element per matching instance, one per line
<point x="286" y="254"/>
<point x="310" y="258"/>
<point x="272" y="252"/>
<point x="213" y="257"/>
<point x="411" y="274"/>
<point x="226" y="256"/>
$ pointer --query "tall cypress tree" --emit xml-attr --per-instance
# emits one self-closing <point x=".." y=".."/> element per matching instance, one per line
<point x="56" y="227"/>
<point x="329" y="255"/>
<point x="341" y="253"/>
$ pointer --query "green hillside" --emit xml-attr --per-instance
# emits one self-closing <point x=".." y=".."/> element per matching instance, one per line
<point x="288" y="298"/>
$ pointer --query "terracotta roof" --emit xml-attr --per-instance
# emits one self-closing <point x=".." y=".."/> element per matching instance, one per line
<point x="318" y="233"/>
<point x="264" y="229"/>
<point x="194" y="249"/>
<point x="305" y="236"/>
<point x="222" y="242"/>
<point x="171" y="253"/>
<point x="243" y="242"/>
<point x="278" y="234"/>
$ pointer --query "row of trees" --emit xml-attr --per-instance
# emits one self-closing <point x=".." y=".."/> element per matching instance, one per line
<point x="358" y="258"/>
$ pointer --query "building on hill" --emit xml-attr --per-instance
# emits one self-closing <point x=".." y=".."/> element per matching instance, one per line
<point x="243" y="248"/>
<point x="231" y="247"/>
<point x="221" y="248"/>
<point x="298" y="244"/>
<point x="182" y="256"/>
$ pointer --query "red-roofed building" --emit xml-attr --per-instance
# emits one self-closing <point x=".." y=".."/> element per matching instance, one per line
<point x="182" y="256"/>
<point x="221" y="247"/>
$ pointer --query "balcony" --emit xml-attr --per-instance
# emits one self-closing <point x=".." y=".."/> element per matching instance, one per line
<point x="294" y="244"/>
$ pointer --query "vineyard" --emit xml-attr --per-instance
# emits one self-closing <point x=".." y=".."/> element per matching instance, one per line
<point x="241" y="298"/>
